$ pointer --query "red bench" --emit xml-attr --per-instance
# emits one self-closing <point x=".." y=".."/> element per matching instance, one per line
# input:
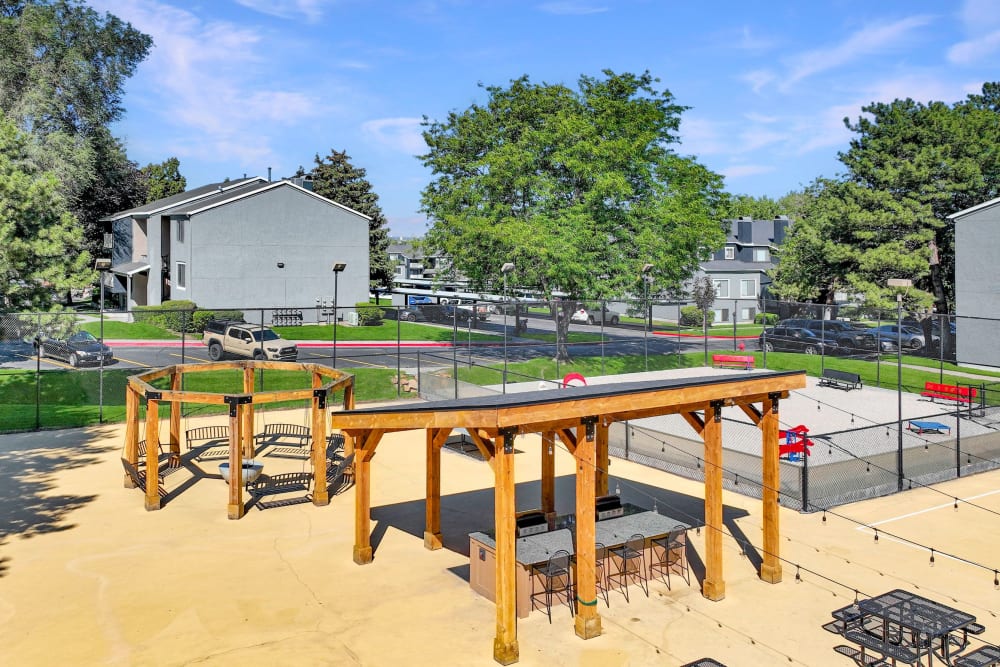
<point x="743" y="361"/>
<point x="948" y="392"/>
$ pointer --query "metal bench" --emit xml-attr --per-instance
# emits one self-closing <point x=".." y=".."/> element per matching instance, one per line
<point x="984" y="656"/>
<point x="840" y="379"/>
<point x="280" y="485"/>
<point x="741" y="361"/>
<point x="886" y="649"/>
<point x="290" y="441"/>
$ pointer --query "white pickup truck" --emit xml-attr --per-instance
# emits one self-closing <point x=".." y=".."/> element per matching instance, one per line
<point x="241" y="339"/>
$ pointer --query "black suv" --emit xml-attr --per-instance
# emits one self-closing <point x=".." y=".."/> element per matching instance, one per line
<point x="796" y="339"/>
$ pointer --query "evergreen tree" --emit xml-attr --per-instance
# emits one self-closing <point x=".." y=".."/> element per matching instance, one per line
<point x="335" y="178"/>
<point x="164" y="179"/>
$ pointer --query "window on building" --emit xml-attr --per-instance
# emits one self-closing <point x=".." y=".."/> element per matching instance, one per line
<point x="730" y="252"/>
<point x="721" y="288"/>
<point x="181" y="275"/>
<point x="748" y="288"/>
<point x="761" y="255"/>
<point x="180" y="231"/>
<point x="747" y="314"/>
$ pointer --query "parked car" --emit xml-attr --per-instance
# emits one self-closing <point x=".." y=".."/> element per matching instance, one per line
<point x="850" y="337"/>
<point x="796" y="339"/>
<point x="413" y="314"/>
<point x="76" y="349"/>
<point x="594" y="315"/>
<point x="909" y="337"/>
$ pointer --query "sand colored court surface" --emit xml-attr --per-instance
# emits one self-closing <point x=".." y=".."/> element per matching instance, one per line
<point x="88" y="577"/>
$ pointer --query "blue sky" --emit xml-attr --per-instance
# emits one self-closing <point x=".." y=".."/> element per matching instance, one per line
<point x="237" y="86"/>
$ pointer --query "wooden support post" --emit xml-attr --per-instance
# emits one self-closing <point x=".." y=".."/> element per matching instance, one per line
<point x="505" y="648"/>
<point x="588" y="621"/>
<point x="248" y="430"/>
<point x="713" y="587"/>
<point x="321" y="492"/>
<point x="432" y="522"/>
<point x="362" y="510"/>
<point x="175" y="416"/>
<point x="602" y="461"/>
<point x="131" y="431"/>
<point x="770" y="568"/>
<point x="235" y="507"/>
<point x="349" y="405"/>
<point x="152" y="455"/>
<point x="549" y="476"/>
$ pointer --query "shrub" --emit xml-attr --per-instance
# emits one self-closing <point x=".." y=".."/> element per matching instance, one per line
<point x="767" y="319"/>
<point x="368" y="314"/>
<point x="691" y="316"/>
<point x="200" y="317"/>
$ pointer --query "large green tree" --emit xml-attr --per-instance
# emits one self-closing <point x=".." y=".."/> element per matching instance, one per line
<point x="62" y="78"/>
<point x="40" y="243"/>
<point x="334" y="177"/>
<point x="909" y="166"/>
<point x="163" y="179"/>
<point x="579" y="188"/>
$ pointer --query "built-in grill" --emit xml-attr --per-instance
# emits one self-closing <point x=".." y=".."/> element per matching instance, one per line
<point x="531" y="523"/>
<point x="608" y="507"/>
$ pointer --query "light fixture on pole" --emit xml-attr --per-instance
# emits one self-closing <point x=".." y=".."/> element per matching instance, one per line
<point x="904" y="284"/>
<point x="338" y="268"/>
<point x="505" y="269"/>
<point x="101" y="265"/>
<point x="647" y="313"/>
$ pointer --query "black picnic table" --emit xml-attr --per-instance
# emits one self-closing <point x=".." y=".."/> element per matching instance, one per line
<point x="919" y="622"/>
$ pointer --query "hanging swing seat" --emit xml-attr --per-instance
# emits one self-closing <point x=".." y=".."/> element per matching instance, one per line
<point x="208" y="442"/>
<point x="290" y="441"/>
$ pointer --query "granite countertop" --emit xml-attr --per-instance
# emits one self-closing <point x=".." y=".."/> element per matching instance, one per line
<point x="533" y="549"/>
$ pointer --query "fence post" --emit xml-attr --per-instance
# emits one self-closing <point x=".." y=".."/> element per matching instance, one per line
<point x="399" y="364"/>
<point x="958" y="440"/>
<point x="454" y="348"/>
<point x="420" y="379"/>
<point x="805" y="478"/>
<point x="38" y="372"/>
<point x="628" y="438"/>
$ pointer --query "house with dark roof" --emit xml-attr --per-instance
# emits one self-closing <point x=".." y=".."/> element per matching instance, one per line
<point x="242" y="244"/>
<point x="739" y="270"/>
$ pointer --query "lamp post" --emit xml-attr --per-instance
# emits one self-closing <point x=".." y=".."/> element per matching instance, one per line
<point x="505" y="269"/>
<point x="903" y="283"/>
<point x="101" y="265"/>
<point x="338" y="267"/>
<point x="647" y="313"/>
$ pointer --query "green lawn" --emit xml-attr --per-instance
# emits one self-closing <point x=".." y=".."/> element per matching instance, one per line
<point x="114" y="329"/>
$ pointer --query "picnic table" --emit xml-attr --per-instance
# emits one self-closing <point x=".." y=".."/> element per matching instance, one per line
<point x="921" y="426"/>
<point x="907" y="626"/>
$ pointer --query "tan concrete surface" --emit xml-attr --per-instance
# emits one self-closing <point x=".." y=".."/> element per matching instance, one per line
<point x="88" y="577"/>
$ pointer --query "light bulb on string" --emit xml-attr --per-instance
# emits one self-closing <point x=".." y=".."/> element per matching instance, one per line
<point x="876" y="534"/>
<point x="956" y="504"/>
<point x="932" y="558"/>
<point x="996" y="580"/>
<point x="868" y="466"/>
<point x="824" y="517"/>
<point x="817" y="406"/>
<point x="852" y="417"/>
<point x="655" y="511"/>
<point x="798" y="577"/>
<point x="618" y="489"/>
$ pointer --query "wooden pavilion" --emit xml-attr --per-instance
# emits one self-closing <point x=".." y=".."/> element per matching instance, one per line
<point x="580" y="418"/>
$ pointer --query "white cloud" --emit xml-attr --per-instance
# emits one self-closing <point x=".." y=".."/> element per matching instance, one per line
<point x="980" y="15"/>
<point x="758" y="79"/>
<point x="736" y="171"/>
<point x="701" y="137"/>
<point x="865" y="42"/>
<point x="400" y="134"/>
<point x="754" y="139"/>
<point x="312" y="10"/>
<point x="571" y="8"/>
<point x="973" y="51"/>
<point x="754" y="117"/>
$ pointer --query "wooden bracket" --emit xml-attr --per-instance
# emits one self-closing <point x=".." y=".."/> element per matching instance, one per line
<point x="590" y="423"/>
<point x="508" y="439"/>
<point x="774" y="396"/>
<point x="320" y="395"/>
<point x="717" y="411"/>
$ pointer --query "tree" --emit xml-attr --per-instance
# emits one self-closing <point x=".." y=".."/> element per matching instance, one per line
<point x="62" y="78"/>
<point x="578" y="188"/>
<point x="703" y="295"/>
<point x="335" y="178"/>
<point x="163" y="179"/>
<point x="40" y="244"/>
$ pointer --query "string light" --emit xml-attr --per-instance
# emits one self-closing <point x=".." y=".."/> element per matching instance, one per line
<point x="824" y="517"/>
<point x="956" y="503"/>
<point x="868" y="466"/>
<point x="852" y="417"/>
<point x="798" y="577"/>
<point x="737" y="481"/>
<point x="996" y="580"/>
<point x="876" y="534"/>
<point x="618" y="488"/>
<point x="932" y="557"/>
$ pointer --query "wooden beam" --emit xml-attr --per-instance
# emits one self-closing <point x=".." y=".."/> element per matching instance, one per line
<point x="175" y="417"/>
<point x="548" y="454"/>
<point x="486" y="447"/>
<point x="235" y="508"/>
<point x="588" y="621"/>
<point x="321" y="492"/>
<point x="505" y="648"/>
<point x="770" y="569"/>
<point x="432" y="503"/>
<point x="131" y="432"/>
<point x="152" y="455"/>
<point x="713" y="587"/>
<point x="603" y="461"/>
<point x="568" y="439"/>
<point x="751" y="411"/>
<point x="248" y="428"/>
<point x="696" y="422"/>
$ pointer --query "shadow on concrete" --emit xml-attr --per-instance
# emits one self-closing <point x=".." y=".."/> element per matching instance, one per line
<point x="472" y="511"/>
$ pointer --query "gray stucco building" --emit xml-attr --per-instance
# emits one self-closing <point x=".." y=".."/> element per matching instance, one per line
<point x="240" y="244"/>
<point x="977" y="274"/>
